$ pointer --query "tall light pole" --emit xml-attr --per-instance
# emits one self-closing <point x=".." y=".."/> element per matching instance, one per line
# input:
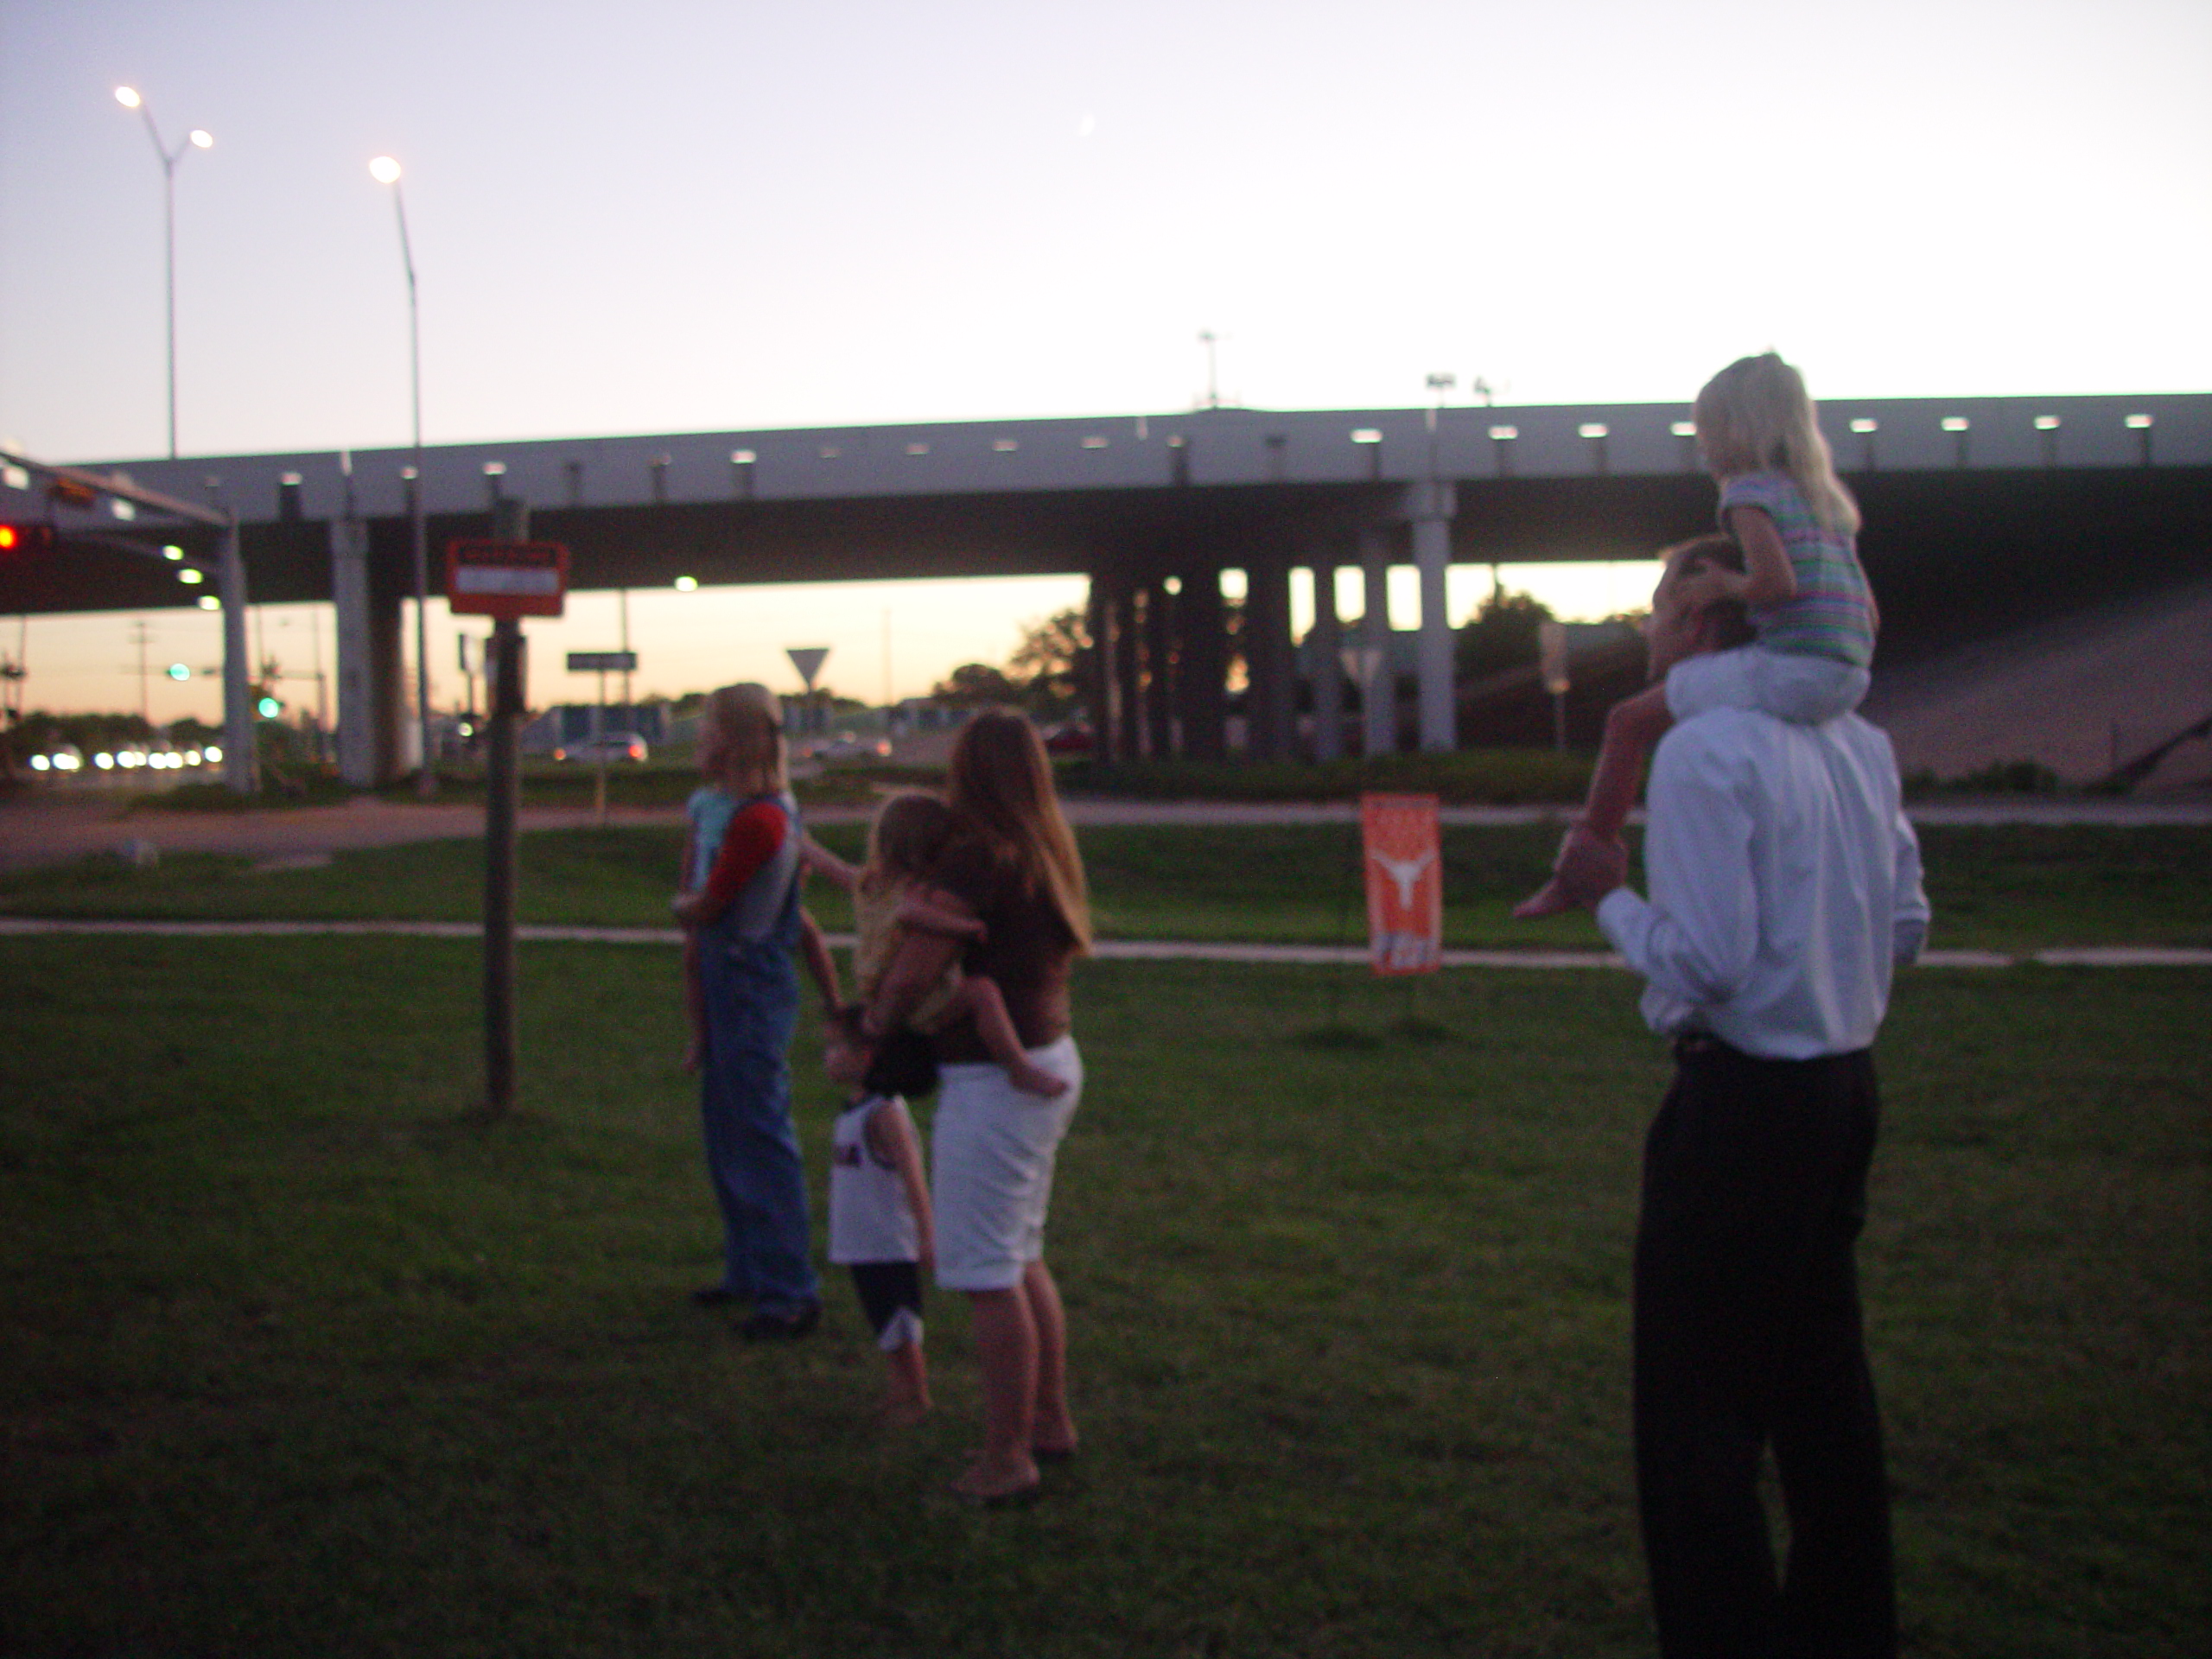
<point x="385" y="170"/>
<point x="196" y="139"/>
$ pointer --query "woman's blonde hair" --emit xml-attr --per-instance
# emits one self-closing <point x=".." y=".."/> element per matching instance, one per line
<point x="907" y="834"/>
<point x="1757" y="413"/>
<point x="747" y="722"/>
<point x="1000" y="781"/>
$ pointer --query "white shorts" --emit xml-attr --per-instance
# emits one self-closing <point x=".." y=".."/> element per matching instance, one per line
<point x="1808" y="691"/>
<point x="991" y="1153"/>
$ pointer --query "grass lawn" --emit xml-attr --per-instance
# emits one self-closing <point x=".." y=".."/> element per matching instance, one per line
<point x="298" y="1357"/>
<point x="2013" y="888"/>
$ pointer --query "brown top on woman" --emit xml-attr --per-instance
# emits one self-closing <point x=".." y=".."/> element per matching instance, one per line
<point x="1028" y="949"/>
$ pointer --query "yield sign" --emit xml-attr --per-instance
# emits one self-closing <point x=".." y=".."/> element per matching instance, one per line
<point x="808" y="660"/>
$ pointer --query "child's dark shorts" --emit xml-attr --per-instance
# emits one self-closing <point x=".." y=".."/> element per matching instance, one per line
<point x="891" y="1296"/>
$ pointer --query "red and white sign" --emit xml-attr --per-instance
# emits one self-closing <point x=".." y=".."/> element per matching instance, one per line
<point x="1405" y="883"/>
<point x="506" y="578"/>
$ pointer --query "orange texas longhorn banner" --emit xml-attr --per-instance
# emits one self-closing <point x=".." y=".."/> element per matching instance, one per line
<point x="1405" y="883"/>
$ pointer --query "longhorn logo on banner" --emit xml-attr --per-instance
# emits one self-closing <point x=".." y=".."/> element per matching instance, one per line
<point x="1405" y="883"/>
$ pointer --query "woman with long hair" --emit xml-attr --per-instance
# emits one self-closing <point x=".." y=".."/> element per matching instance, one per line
<point x="1011" y="863"/>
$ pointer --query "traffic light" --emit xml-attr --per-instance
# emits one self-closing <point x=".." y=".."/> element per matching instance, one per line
<point x="269" y="708"/>
<point x="20" y="540"/>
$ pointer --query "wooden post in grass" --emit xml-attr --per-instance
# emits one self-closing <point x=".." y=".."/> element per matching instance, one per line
<point x="505" y="578"/>
<point x="502" y="795"/>
<point x="503" y="789"/>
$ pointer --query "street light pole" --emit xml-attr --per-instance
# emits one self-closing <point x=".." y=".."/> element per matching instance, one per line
<point x="196" y="139"/>
<point x="385" y="170"/>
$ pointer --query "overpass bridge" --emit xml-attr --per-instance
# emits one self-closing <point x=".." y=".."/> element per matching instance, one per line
<point x="1979" y="511"/>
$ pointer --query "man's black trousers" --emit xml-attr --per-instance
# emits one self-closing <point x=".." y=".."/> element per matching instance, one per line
<point x="1748" y="1336"/>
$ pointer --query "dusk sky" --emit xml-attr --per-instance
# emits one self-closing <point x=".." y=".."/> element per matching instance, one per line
<point x="691" y="217"/>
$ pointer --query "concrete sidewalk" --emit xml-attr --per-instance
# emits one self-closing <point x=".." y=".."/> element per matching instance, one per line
<point x="53" y="829"/>
<point x="1107" y="950"/>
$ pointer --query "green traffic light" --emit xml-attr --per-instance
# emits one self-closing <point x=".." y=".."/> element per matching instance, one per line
<point x="270" y="708"/>
<point x="179" y="672"/>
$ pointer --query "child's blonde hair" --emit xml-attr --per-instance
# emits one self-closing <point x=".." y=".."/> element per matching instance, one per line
<point x="1757" y="411"/>
<point x="748" y="722"/>
<point x="907" y="836"/>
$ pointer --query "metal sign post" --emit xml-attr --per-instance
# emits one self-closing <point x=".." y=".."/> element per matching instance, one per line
<point x="506" y="579"/>
<point x="601" y="663"/>
<point x="808" y="660"/>
<point x="1551" y="659"/>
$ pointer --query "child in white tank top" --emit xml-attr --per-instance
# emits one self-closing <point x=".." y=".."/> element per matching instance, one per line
<point x="880" y="1222"/>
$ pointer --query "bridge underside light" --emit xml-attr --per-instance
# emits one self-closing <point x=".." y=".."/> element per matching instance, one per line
<point x="1592" y="428"/>
<point x="1684" y="429"/>
<point x="742" y="457"/>
<point x="1956" y="423"/>
<point x="209" y="602"/>
<point x="1367" y="435"/>
<point x="1865" y="424"/>
<point x="2046" y="422"/>
<point x="2137" y="422"/>
<point x="687" y="584"/>
<point x="1505" y="434"/>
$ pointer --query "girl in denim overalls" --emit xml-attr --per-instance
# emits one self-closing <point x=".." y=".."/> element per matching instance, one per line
<point x="742" y="918"/>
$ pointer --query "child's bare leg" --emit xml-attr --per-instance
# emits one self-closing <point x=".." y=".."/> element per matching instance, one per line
<point x="907" y="1393"/>
<point x="979" y="996"/>
<point x="1633" y="727"/>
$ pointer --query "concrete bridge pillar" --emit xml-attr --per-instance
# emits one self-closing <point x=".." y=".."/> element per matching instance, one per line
<point x="1202" y="664"/>
<point x="366" y="592"/>
<point x="1379" y="691"/>
<point x="1159" y="670"/>
<point x="1128" y="707"/>
<point x="1270" y="700"/>
<point x="1119" y="718"/>
<point x="1430" y="507"/>
<point x="1323" y="653"/>
<point x="1099" y="689"/>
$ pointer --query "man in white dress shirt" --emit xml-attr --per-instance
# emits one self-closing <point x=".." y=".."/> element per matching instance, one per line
<point x="1784" y="886"/>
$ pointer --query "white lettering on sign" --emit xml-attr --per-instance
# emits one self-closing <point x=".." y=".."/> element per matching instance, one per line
<point x="505" y="579"/>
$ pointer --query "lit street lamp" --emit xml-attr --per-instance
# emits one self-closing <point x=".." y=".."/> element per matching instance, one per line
<point x="385" y="170"/>
<point x="196" y="139"/>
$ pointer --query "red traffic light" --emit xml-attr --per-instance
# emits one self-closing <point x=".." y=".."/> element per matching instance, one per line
<point x="18" y="539"/>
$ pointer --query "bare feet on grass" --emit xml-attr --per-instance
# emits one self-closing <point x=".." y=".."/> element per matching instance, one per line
<point x="992" y="1480"/>
<point x="1035" y="1080"/>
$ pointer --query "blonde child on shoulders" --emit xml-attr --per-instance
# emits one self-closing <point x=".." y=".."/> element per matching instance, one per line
<point x="892" y="894"/>
<point x="1803" y="587"/>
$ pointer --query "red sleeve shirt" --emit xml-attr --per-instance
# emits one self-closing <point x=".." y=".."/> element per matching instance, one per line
<point x="753" y="837"/>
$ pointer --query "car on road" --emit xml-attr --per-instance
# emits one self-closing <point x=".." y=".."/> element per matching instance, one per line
<point x="613" y="747"/>
<point x="846" y="747"/>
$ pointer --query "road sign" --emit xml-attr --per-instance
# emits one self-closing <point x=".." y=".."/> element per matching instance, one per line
<point x="506" y="579"/>
<point x="808" y="660"/>
<point x="1405" y="883"/>
<point x="602" y="662"/>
